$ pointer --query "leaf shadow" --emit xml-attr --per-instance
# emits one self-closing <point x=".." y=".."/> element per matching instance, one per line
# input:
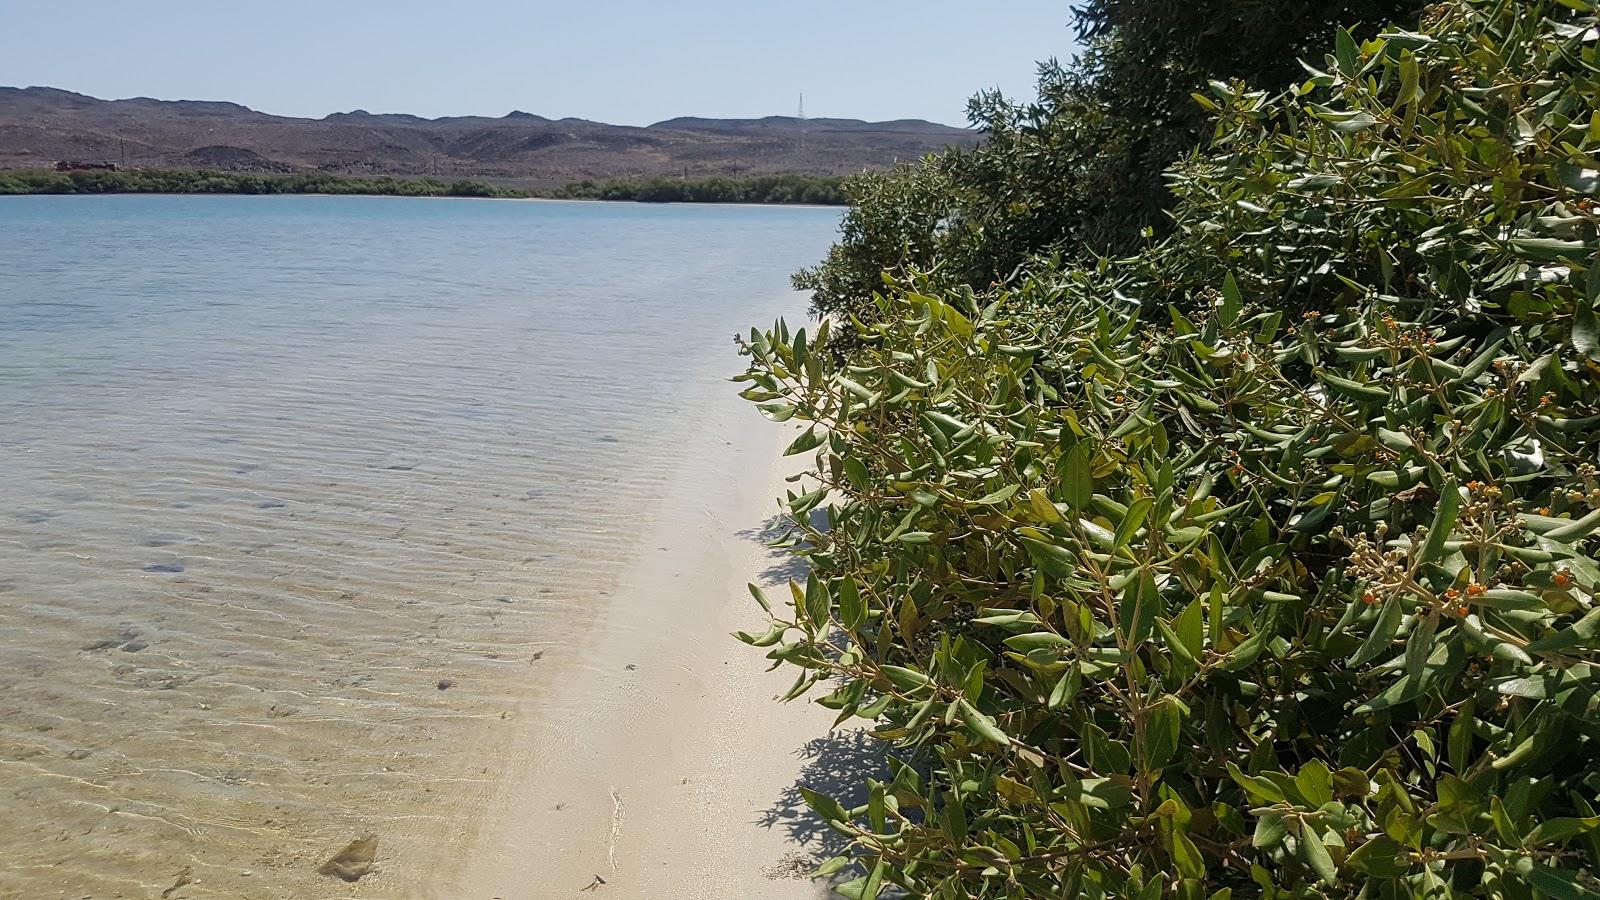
<point x="836" y="764"/>
<point x="783" y="564"/>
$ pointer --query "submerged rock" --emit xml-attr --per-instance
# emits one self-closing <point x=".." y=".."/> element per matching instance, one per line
<point x="185" y="877"/>
<point x="354" y="861"/>
<point x="128" y="636"/>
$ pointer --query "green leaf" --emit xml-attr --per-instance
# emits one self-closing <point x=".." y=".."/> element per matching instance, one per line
<point x="1315" y="782"/>
<point x="1053" y="559"/>
<point x="982" y="725"/>
<point x="1586" y="332"/>
<point x="1175" y="645"/>
<point x="998" y="497"/>
<point x="1232" y="301"/>
<point x="1138" y="608"/>
<point x="773" y="635"/>
<point x="1161" y="732"/>
<point x="877" y="811"/>
<point x="1260" y="789"/>
<point x="1270" y="832"/>
<point x="1382" y="635"/>
<point x="1444" y="519"/>
<point x="1410" y="79"/>
<point x="777" y="412"/>
<point x="1246" y="653"/>
<point x="1353" y="123"/>
<point x="1186" y="856"/>
<point x="1447" y="657"/>
<point x="1181" y="323"/>
<point x="1582" y="633"/>
<point x="1354" y="390"/>
<point x="1077" y="482"/>
<point x="1550" y="249"/>
<point x="819" y="601"/>
<point x="805" y="503"/>
<point x="874" y="884"/>
<point x="1560" y="884"/>
<point x="824" y="806"/>
<point x="1576" y="530"/>
<point x="953" y="818"/>
<point x="1065" y="688"/>
<point x="1315" y="854"/>
<point x="876" y="708"/>
<point x="761" y="598"/>
<point x="1026" y="643"/>
<point x="1190" y="628"/>
<point x="852" y="609"/>
<point x="1352" y="783"/>
<point x="1138" y="512"/>
<point x="831" y="866"/>
<point x="856" y="471"/>
<point x="857" y="390"/>
<point x="808" y="440"/>
<point x="1458" y="744"/>
<point x="1383" y="857"/>
<point x="1041" y="507"/>
<point x="1551" y="831"/>
<point x="1346" y="53"/>
<point x="1579" y="178"/>
<point x="903" y="678"/>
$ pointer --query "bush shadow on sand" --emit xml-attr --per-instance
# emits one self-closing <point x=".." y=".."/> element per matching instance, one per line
<point x="836" y="764"/>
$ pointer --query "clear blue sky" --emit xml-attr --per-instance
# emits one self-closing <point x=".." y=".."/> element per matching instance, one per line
<point x="623" y="61"/>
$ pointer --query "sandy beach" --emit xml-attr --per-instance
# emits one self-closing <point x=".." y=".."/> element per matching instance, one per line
<point x="660" y="766"/>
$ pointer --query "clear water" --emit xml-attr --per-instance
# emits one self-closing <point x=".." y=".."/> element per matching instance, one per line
<point x="298" y="495"/>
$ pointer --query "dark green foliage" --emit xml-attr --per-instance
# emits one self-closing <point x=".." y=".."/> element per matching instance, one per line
<point x="810" y="189"/>
<point x="821" y="190"/>
<point x="164" y="181"/>
<point x="1261" y="562"/>
<point x="1080" y="166"/>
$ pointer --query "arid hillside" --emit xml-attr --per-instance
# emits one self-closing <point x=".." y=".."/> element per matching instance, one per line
<point x="42" y="126"/>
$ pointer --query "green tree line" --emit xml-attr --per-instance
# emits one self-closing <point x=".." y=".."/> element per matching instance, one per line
<point x="782" y="189"/>
<point x="819" y="190"/>
<point x="1257" y="558"/>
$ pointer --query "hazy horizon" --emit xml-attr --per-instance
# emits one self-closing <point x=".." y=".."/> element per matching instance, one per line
<point x="627" y="63"/>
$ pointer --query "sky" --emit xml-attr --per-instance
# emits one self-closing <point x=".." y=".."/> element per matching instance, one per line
<point x="628" y="62"/>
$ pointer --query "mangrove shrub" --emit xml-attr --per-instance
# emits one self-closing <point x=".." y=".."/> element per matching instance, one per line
<point x="1261" y="562"/>
<point x="1081" y="163"/>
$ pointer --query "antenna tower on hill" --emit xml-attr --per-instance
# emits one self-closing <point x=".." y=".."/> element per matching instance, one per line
<point x="802" y="117"/>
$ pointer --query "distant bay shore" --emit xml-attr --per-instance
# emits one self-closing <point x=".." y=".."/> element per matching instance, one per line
<point x="794" y="188"/>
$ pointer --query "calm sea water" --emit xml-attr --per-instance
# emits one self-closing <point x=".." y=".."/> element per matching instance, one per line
<point x="295" y="492"/>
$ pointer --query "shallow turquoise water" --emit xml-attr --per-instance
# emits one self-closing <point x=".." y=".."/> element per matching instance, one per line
<point x="272" y="470"/>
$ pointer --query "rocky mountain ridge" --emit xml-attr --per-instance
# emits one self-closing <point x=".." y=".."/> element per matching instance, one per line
<point x="40" y="126"/>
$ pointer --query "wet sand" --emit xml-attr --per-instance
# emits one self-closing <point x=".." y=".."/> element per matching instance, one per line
<point x="663" y="767"/>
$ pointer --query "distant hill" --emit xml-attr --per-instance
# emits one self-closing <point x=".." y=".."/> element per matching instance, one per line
<point x="40" y="126"/>
<point x="792" y="125"/>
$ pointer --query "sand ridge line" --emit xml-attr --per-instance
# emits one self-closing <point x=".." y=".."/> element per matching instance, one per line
<point x="616" y="829"/>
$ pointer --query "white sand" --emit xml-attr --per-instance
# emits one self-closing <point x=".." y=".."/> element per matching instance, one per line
<point x="660" y="761"/>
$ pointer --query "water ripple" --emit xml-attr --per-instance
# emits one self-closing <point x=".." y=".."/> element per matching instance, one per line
<point x="296" y="495"/>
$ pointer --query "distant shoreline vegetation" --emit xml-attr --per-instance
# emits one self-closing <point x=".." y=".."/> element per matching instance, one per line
<point x="822" y="190"/>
